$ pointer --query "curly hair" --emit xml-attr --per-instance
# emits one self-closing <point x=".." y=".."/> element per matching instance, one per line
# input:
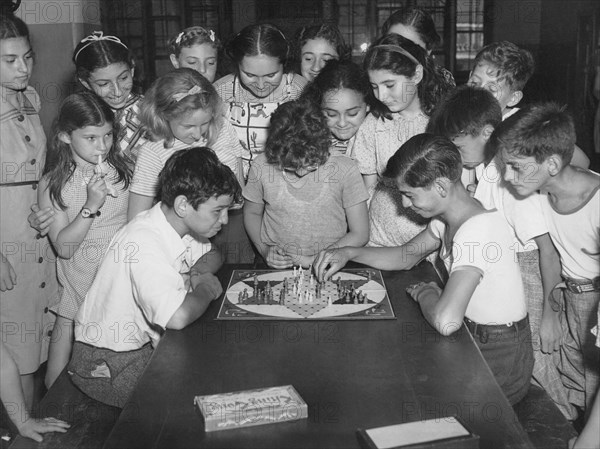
<point x="432" y="87"/>
<point x="513" y="64"/>
<point x="298" y="136"/>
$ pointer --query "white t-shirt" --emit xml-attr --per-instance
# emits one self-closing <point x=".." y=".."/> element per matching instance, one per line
<point x="140" y="284"/>
<point x="523" y="214"/>
<point x="482" y="244"/>
<point x="576" y="235"/>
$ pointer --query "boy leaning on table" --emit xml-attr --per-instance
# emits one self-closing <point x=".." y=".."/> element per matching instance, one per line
<point x="158" y="274"/>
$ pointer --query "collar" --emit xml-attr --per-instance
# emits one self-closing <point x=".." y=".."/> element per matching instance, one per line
<point x="179" y="248"/>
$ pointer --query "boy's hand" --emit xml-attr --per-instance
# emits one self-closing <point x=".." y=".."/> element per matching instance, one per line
<point x="416" y="291"/>
<point x="207" y="282"/>
<point x="330" y="261"/>
<point x="8" y="277"/>
<point x="551" y="333"/>
<point x="34" y="428"/>
<point x="277" y="258"/>
<point x="96" y="192"/>
<point x="41" y="219"/>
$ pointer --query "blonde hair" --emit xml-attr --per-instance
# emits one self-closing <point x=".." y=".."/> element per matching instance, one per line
<point x="175" y="94"/>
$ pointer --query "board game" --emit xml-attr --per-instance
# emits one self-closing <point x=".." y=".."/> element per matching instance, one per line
<point x="297" y="295"/>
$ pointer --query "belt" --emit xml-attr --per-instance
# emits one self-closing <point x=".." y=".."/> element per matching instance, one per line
<point x="581" y="285"/>
<point x="483" y="331"/>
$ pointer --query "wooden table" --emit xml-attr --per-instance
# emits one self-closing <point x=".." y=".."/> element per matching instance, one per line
<point x="351" y="373"/>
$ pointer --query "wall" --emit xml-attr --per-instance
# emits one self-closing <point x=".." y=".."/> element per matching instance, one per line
<point x="55" y="28"/>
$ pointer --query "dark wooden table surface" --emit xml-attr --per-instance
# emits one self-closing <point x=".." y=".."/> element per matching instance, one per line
<point x="351" y="373"/>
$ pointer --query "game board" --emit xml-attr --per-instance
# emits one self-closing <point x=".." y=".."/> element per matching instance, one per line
<point x="296" y="295"/>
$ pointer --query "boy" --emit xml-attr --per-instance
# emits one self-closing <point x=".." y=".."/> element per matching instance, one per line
<point x="158" y="274"/>
<point x="536" y="146"/>
<point x="504" y="69"/>
<point x="468" y="116"/>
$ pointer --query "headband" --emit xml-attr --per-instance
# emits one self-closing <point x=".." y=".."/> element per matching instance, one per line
<point x="211" y="36"/>
<point x="195" y="89"/>
<point x="98" y="36"/>
<point x="398" y="49"/>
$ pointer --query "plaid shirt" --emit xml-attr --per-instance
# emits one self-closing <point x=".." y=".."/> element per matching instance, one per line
<point x="128" y="118"/>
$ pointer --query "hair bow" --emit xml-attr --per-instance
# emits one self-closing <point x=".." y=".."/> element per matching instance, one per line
<point x="211" y="35"/>
<point x="193" y="91"/>
<point x="178" y="38"/>
<point x="97" y="36"/>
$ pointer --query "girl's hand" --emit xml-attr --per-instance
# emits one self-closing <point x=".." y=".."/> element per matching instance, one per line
<point x="41" y="219"/>
<point x="96" y="192"/>
<point x="34" y="428"/>
<point x="8" y="277"/>
<point x="276" y="257"/>
<point x="329" y="262"/>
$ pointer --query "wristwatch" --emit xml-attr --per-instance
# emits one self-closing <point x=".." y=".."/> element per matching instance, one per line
<point x="87" y="213"/>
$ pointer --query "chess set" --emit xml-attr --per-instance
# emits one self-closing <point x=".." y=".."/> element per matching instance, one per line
<point x="296" y="295"/>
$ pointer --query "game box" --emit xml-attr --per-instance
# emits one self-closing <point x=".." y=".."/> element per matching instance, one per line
<point x="251" y="407"/>
<point x="439" y="433"/>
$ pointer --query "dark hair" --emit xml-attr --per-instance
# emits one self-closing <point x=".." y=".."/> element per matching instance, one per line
<point x="197" y="174"/>
<point x="298" y="136"/>
<point x="424" y="158"/>
<point x="325" y="31"/>
<point x="380" y="56"/>
<point x="78" y="111"/>
<point x="466" y="110"/>
<point x="341" y="75"/>
<point x="99" y="53"/>
<point x="160" y="104"/>
<point x="513" y="64"/>
<point x="538" y="130"/>
<point x="419" y="20"/>
<point x="256" y="40"/>
<point x="12" y="27"/>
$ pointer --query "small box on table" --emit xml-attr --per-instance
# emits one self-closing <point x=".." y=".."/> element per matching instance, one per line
<point x="251" y="407"/>
<point x="446" y="433"/>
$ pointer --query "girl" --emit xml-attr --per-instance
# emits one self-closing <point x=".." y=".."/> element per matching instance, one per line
<point x="315" y="45"/>
<point x="418" y="26"/>
<point x="484" y="288"/>
<point x="27" y="271"/>
<point x="196" y="48"/>
<point x="299" y="198"/>
<point x="259" y="84"/>
<point x="181" y="110"/>
<point x="105" y="66"/>
<point x="343" y="92"/>
<point x="86" y="183"/>
<point x="403" y="79"/>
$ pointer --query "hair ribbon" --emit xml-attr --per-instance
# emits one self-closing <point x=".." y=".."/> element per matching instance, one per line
<point x="398" y="49"/>
<point x="98" y="36"/>
<point x="193" y="91"/>
<point x="211" y="35"/>
<point x="178" y="38"/>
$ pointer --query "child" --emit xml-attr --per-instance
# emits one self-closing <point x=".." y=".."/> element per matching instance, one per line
<point x="536" y="146"/>
<point x="404" y="80"/>
<point x="196" y="48"/>
<point x="468" y="116"/>
<point x="300" y="199"/>
<point x="258" y="86"/>
<point x="315" y="45"/>
<point x="86" y="180"/>
<point x="484" y="288"/>
<point x="181" y="109"/>
<point x="27" y="269"/>
<point x="170" y="284"/>
<point x="418" y="26"/>
<point x="105" y="65"/>
<point x="343" y="92"/>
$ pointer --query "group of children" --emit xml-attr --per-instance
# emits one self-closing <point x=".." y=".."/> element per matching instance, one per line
<point x="335" y="162"/>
